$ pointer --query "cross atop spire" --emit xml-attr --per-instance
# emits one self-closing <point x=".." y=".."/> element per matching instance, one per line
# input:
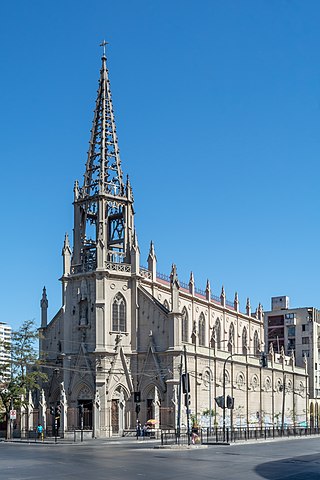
<point x="103" y="45"/>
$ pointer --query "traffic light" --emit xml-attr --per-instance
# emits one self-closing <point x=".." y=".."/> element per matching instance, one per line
<point x="187" y="399"/>
<point x="52" y="410"/>
<point x="137" y="408"/>
<point x="263" y="360"/>
<point x="137" y="397"/>
<point x="185" y="382"/>
<point x="220" y="401"/>
<point x="58" y="410"/>
<point x="230" y="402"/>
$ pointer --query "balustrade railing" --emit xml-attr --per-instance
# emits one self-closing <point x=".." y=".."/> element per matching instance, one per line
<point x="164" y="277"/>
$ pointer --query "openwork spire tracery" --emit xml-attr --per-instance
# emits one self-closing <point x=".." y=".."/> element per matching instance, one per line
<point x="103" y="168"/>
<point x="104" y="226"/>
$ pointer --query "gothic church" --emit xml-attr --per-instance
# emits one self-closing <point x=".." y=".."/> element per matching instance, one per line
<point x="115" y="346"/>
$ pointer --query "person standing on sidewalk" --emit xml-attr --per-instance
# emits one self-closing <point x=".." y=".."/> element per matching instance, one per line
<point x="40" y="431"/>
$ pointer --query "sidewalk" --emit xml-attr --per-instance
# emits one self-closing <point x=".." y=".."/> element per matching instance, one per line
<point x="91" y="441"/>
<point x="145" y="442"/>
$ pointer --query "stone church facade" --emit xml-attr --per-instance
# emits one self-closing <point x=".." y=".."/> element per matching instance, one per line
<point x="125" y="333"/>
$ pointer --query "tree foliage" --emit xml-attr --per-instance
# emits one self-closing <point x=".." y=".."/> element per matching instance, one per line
<point x="21" y="373"/>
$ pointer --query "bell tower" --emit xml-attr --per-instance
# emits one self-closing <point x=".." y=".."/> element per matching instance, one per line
<point x="103" y="205"/>
<point x="93" y="335"/>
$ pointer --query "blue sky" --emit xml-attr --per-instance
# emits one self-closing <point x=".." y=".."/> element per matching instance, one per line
<point x="217" y="108"/>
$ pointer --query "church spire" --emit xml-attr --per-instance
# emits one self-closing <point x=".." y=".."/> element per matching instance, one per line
<point x="103" y="230"/>
<point x="103" y="168"/>
<point x="44" y="308"/>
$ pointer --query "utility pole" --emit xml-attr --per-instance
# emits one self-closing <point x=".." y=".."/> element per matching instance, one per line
<point x="224" y="397"/>
<point x="11" y="419"/>
<point x="81" y="410"/>
<point x="187" y="394"/>
<point x="210" y="401"/>
<point x="179" y="399"/>
<point x="283" y="402"/>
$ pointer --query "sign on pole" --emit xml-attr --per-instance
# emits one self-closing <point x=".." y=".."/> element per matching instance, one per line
<point x="13" y="414"/>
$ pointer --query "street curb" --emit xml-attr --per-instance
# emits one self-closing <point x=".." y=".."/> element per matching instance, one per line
<point x="179" y="447"/>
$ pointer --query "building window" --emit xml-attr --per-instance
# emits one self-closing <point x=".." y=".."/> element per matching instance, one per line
<point x="240" y="381"/>
<point x="305" y="340"/>
<point x="291" y="344"/>
<point x="119" y="314"/>
<point x="231" y="338"/>
<point x="244" y="341"/>
<point x="184" y="325"/>
<point x="291" y="331"/>
<point x="202" y="330"/>
<point x="256" y="343"/>
<point x="217" y="333"/>
<point x="194" y="332"/>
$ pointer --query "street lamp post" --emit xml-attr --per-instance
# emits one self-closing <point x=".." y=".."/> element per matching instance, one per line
<point x="284" y="386"/>
<point x="187" y="393"/>
<point x="263" y="363"/>
<point x="210" y="401"/>
<point x="224" y="397"/>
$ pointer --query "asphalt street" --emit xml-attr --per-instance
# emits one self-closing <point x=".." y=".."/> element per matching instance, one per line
<point x="127" y="459"/>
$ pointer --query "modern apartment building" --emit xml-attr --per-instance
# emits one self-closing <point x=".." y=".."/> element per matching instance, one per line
<point x="297" y="331"/>
<point x="5" y="337"/>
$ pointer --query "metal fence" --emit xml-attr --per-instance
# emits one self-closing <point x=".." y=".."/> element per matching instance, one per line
<point x="207" y="436"/>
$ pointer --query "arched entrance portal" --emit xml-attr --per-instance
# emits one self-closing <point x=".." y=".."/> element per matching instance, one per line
<point x="85" y="400"/>
<point x="118" y="410"/>
<point x="153" y="410"/>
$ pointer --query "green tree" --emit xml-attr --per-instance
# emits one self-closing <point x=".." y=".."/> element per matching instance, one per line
<point x="21" y="373"/>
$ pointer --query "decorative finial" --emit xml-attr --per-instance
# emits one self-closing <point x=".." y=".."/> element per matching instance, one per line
<point x="103" y="45"/>
<point x="174" y="276"/>
<point x="66" y="241"/>
<point x="271" y="351"/>
<point x="151" y="250"/>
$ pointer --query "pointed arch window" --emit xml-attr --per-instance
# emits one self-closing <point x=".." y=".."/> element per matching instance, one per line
<point x="256" y="343"/>
<point x="202" y="330"/>
<point x="194" y="332"/>
<point x="217" y="333"/>
<point x="244" y="341"/>
<point x="184" y="325"/>
<point x="231" y="338"/>
<point x="119" y="314"/>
